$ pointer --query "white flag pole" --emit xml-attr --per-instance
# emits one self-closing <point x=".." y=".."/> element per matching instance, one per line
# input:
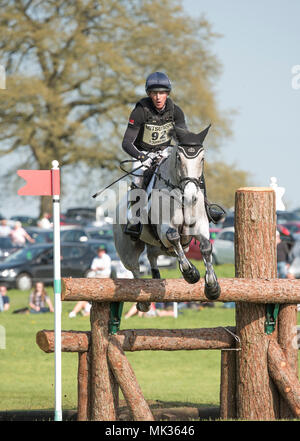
<point x="175" y="309"/>
<point x="57" y="299"/>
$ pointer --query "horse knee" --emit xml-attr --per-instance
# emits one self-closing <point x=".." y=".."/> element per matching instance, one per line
<point x="173" y="236"/>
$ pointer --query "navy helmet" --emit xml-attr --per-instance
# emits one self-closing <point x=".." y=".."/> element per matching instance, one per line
<point x="158" y="81"/>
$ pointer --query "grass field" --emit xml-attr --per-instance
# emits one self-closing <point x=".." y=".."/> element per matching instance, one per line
<point x="27" y="373"/>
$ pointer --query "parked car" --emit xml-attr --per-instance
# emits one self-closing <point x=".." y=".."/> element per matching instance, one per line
<point x="292" y="226"/>
<point x="229" y="220"/>
<point x="6" y="247"/>
<point x="68" y="233"/>
<point x="194" y="250"/>
<point x="40" y="235"/>
<point x="71" y="233"/>
<point x="223" y="247"/>
<point x="25" y="220"/>
<point x="81" y="215"/>
<point x="64" y="220"/>
<point x="295" y="265"/>
<point x="34" y="263"/>
<point x="286" y="235"/>
<point x="287" y="216"/>
<point x="101" y="232"/>
<point x="297" y="211"/>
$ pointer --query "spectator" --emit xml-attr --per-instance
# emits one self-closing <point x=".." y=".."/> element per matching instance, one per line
<point x="283" y="257"/>
<point x="101" y="264"/>
<point x="83" y="307"/>
<point x="4" y="300"/>
<point x="156" y="310"/>
<point x="134" y="311"/>
<point x="5" y="230"/>
<point x="38" y="300"/>
<point x="19" y="235"/>
<point x="44" y="222"/>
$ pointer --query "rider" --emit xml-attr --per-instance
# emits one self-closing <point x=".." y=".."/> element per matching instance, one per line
<point x="150" y="131"/>
<point x="152" y="120"/>
<point x="150" y="127"/>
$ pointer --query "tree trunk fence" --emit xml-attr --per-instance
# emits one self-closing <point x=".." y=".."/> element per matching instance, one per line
<point x="259" y="356"/>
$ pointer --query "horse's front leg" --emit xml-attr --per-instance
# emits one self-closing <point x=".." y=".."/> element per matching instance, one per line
<point x="212" y="288"/>
<point x="188" y="270"/>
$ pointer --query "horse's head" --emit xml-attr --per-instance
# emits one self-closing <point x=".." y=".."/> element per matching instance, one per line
<point x="189" y="162"/>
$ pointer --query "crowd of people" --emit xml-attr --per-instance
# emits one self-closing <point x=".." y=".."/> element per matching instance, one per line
<point x="17" y="233"/>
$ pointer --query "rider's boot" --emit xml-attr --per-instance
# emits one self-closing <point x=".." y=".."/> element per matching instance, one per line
<point x="215" y="212"/>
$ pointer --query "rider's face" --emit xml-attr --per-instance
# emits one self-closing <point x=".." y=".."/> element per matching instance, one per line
<point x="159" y="99"/>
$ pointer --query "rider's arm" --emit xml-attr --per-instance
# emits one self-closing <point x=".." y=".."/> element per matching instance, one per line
<point x="136" y="120"/>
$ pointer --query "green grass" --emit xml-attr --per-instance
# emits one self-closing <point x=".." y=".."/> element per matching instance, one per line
<point x="27" y="373"/>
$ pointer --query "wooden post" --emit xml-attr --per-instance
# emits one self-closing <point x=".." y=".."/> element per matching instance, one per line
<point x="255" y="257"/>
<point x="228" y="385"/>
<point x="104" y="390"/>
<point x="284" y="377"/>
<point x="287" y="339"/>
<point x="128" y="383"/>
<point x="83" y="387"/>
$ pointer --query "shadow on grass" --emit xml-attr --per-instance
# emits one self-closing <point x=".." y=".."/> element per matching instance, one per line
<point x="162" y="411"/>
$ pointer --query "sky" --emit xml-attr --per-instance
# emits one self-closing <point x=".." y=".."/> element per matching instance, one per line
<point x="259" y="47"/>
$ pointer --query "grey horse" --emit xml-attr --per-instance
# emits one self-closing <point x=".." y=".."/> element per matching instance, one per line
<point x="182" y="216"/>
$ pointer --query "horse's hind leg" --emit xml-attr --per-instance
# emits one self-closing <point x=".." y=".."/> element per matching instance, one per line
<point x="140" y="306"/>
<point x="188" y="270"/>
<point x="129" y="253"/>
<point x="212" y="288"/>
<point x="152" y="255"/>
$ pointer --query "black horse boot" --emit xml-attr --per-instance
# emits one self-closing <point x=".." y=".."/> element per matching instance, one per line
<point x="215" y="212"/>
<point x="134" y="230"/>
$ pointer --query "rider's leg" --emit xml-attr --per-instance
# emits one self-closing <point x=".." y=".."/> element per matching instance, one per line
<point x="134" y="228"/>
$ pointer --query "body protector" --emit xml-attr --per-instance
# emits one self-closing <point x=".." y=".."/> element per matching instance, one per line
<point x="156" y="131"/>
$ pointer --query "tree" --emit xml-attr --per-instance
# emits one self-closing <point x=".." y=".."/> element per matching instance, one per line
<point x="75" y="68"/>
<point x="222" y="180"/>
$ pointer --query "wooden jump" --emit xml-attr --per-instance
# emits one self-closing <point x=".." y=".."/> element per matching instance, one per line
<point x="259" y="361"/>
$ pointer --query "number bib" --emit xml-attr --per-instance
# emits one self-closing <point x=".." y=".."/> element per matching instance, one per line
<point x="157" y="135"/>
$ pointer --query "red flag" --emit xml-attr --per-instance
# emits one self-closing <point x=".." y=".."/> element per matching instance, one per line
<point x="40" y="182"/>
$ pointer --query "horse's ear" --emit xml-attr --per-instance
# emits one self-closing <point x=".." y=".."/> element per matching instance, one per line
<point x="202" y="135"/>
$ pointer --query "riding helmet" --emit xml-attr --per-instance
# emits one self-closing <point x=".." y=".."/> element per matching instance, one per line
<point x="158" y="81"/>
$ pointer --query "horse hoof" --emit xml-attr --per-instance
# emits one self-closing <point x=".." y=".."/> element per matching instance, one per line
<point x="212" y="292"/>
<point x="143" y="306"/>
<point x="191" y="275"/>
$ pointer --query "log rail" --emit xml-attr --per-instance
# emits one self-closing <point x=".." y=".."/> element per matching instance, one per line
<point x="177" y="290"/>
